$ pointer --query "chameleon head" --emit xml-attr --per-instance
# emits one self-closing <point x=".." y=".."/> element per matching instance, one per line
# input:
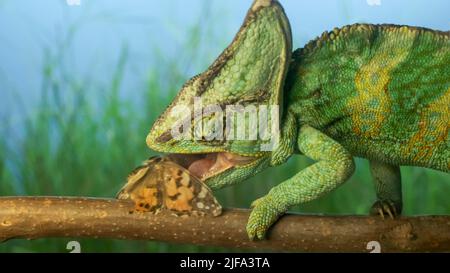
<point x="216" y="122"/>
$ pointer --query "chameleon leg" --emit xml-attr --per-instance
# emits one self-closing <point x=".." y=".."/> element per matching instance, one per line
<point x="387" y="180"/>
<point x="334" y="166"/>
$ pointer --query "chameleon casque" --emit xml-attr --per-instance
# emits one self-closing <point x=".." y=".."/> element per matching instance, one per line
<point x="380" y="92"/>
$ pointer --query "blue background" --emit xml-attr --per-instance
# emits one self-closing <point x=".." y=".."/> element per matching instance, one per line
<point x="96" y="30"/>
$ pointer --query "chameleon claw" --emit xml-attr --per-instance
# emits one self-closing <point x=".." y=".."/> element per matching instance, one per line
<point x="385" y="207"/>
<point x="388" y="210"/>
<point x="256" y="229"/>
<point x="256" y="233"/>
<point x="395" y="212"/>
<point x="380" y="212"/>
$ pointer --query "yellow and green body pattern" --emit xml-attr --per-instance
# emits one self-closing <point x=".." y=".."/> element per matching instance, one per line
<point x="382" y="92"/>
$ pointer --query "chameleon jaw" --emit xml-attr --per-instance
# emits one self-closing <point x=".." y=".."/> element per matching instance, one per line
<point x="205" y="166"/>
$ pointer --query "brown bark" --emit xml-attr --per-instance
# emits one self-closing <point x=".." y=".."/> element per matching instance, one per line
<point x="39" y="217"/>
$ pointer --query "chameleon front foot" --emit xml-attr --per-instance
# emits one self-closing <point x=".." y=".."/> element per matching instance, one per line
<point x="265" y="212"/>
<point x="386" y="208"/>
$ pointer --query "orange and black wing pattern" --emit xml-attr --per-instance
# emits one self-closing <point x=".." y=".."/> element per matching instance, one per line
<point x="160" y="184"/>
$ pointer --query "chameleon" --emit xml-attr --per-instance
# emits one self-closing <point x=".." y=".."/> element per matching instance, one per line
<point x="379" y="92"/>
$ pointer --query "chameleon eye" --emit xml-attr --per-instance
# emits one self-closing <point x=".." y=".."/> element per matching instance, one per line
<point x="213" y="127"/>
<point x="209" y="128"/>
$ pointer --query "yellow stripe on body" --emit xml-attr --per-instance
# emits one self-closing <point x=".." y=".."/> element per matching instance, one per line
<point x="372" y="103"/>
<point x="433" y="126"/>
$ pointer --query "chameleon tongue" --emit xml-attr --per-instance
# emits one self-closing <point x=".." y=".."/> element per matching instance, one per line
<point x="216" y="163"/>
<point x="222" y="163"/>
<point x="211" y="165"/>
<point x="201" y="166"/>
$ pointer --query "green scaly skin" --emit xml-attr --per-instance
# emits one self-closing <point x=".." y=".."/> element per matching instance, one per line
<point x="380" y="92"/>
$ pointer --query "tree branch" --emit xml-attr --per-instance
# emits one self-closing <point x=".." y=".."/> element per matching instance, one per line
<point x="39" y="217"/>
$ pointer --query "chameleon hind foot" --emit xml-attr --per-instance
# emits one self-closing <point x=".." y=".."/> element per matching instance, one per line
<point x="386" y="208"/>
<point x="387" y="180"/>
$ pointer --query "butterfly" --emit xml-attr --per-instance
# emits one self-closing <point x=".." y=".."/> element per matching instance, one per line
<point x="161" y="184"/>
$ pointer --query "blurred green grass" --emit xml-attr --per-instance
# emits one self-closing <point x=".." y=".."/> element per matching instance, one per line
<point x="84" y="138"/>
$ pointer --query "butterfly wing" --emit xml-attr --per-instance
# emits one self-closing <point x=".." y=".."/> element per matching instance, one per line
<point x="161" y="184"/>
<point x="186" y="194"/>
<point x="144" y="187"/>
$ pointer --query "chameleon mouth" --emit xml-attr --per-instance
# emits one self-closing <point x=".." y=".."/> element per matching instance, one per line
<point x="204" y="166"/>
